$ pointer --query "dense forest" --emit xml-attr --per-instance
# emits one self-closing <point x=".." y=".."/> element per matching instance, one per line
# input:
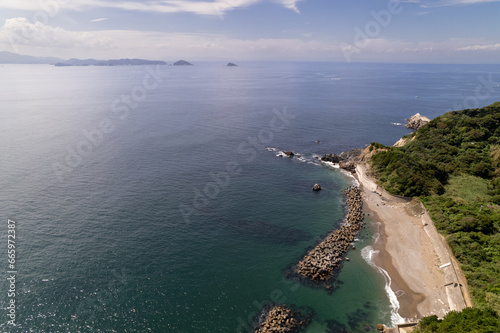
<point x="453" y="165"/>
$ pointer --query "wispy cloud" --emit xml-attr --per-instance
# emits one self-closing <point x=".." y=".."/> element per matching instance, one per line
<point x="441" y="3"/>
<point x="200" y="7"/>
<point x="99" y="19"/>
<point x="18" y="31"/>
<point x="483" y="47"/>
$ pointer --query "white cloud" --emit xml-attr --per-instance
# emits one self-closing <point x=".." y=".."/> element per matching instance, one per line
<point x="201" y="7"/>
<point x="38" y="39"/>
<point x="18" y="31"/>
<point x="99" y="19"/>
<point x="483" y="47"/>
<point x="441" y="3"/>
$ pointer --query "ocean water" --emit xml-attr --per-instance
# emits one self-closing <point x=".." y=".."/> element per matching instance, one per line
<point x="153" y="199"/>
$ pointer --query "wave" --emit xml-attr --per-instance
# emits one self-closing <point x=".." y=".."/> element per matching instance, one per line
<point x="367" y="254"/>
<point x="397" y="124"/>
<point x="314" y="159"/>
<point x="330" y="164"/>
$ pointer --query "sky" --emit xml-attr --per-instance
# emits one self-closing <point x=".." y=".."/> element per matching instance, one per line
<point x="409" y="31"/>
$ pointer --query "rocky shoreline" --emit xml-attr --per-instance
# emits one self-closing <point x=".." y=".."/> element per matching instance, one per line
<point x="321" y="263"/>
<point x="280" y="319"/>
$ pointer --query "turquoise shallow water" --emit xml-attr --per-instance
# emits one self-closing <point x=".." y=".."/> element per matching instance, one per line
<point x="143" y="231"/>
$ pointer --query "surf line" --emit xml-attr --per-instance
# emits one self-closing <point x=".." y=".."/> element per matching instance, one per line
<point x="367" y="254"/>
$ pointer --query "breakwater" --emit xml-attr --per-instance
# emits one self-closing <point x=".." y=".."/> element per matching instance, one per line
<point x="280" y="319"/>
<point x="321" y="263"/>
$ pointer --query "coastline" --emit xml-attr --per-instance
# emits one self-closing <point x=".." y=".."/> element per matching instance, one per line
<point x="411" y="252"/>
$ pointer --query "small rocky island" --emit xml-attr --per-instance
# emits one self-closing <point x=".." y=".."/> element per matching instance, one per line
<point x="416" y="121"/>
<point x="280" y="319"/>
<point x="182" y="63"/>
<point x="317" y="187"/>
<point x="230" y="64"/>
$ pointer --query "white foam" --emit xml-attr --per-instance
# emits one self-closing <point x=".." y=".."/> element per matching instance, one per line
<point x="397" y="124"/>
<point x="367" y="254"/>
<point x="314" y="163"/>
<point x="331" y="164"/>
<point x="355" y="182"/>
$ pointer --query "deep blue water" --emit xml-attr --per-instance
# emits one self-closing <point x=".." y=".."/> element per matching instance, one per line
<point x="166" y="212"/>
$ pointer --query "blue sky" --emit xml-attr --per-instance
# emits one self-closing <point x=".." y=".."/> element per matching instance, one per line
<point x="417" y="31"/>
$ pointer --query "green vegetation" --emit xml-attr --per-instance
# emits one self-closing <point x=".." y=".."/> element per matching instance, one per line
<point x="453" y="165"/>
<point x="469" y="320"/>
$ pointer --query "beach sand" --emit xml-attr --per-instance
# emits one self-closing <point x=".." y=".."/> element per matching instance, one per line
<point x="411" y="251"/>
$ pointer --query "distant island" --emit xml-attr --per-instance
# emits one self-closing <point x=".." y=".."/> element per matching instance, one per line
<point x="119" y="62"/>
<point x="14" y="58"/>
<point x="230" y="64"/>
<point x="182" y="63"/>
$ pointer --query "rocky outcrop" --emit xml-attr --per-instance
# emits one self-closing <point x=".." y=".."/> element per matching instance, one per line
<point x="346" y="160"/>
<point x="317" y="187"/>
<point x="289" y="153"/>
<point x="345" y="156"/>
<point x="350" y="155"/>
<point x="416" y="121"/>
<point x="349" y="166"/>
<point x="333" y="158"/>
<point x="322" y="262"/>
<point x="400" y="143"/>
<point x="230" y="64"/>
<point x="280" y="319"/>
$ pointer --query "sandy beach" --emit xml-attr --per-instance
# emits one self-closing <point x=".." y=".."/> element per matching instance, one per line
<point x="424" y="275"/>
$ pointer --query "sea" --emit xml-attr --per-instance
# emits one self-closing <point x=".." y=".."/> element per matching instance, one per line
<point x="156" y="199"/>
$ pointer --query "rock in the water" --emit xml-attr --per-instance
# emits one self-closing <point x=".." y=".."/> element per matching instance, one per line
<point x="317" y="187"/>
<point x="289" y="153"/>
<point x="182" y="63"/>
<point x="334" y="158"/>
<point x="280" y="319"/>
<point x="416" y="121"/>
<point x="346" y="156"/>
<point x="230" y="64"/>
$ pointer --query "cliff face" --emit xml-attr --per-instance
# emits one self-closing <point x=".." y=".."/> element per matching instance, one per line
<point x="416" y="121"/>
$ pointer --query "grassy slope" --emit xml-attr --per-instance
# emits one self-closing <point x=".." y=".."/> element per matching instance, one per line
<point x="453" y="165"/>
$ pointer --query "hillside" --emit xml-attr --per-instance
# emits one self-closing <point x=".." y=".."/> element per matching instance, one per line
<point x="453" y="165"/>
<point x="14" y="58"/>
<point x="113" y="62"/>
